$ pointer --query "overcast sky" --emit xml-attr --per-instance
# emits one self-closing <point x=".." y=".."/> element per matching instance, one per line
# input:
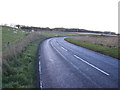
<point x="100" y="15"/>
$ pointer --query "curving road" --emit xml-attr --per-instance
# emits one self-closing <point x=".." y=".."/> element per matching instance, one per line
<point x="64" y="65"/>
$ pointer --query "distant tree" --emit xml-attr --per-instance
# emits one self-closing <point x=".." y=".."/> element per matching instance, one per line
<point x="18" y="26"/>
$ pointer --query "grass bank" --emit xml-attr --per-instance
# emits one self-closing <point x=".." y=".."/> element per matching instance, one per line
<point x="11" y="35"/>
<point x="113" y="52"/>
<point x="21" y="72"/>
<point x="13" y="50"/>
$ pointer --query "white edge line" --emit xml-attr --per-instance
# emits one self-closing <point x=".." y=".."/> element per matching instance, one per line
<point x="92" y="65"/>
<point x="40" y="84"/>
<point x="40" y="74"/>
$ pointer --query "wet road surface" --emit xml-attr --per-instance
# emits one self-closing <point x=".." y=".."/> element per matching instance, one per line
<point x="64" y="65"/>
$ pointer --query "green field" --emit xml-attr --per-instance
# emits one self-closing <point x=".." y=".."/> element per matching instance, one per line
<point x="11" y="35"/>
<point x="54" y="34"/>
<point x="113" y="52"/>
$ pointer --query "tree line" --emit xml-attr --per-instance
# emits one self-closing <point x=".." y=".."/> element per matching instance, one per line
<point x="30" y="28"/>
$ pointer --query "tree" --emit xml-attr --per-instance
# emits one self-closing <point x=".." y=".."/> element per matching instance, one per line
<point x="18" y="26"/>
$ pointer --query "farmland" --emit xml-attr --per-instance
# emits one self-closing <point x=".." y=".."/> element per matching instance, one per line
<point x="103" y="40"/>
<point x="102" y="44"/>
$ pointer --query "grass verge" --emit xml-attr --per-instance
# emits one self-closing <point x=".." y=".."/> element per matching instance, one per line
<point x="20" y="73"/>
<point x="113" y="52"/>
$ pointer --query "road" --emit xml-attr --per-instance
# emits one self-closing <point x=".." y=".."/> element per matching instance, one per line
<point x="64" y="65"/>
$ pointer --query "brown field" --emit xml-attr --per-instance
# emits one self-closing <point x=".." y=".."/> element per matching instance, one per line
<point x="84" y="33"/>
<point x="102" y="40"/>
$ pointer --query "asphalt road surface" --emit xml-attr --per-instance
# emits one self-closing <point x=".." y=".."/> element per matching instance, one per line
<point x="64" y="65"/>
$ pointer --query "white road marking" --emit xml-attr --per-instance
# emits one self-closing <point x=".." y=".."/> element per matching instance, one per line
<point x="39" y="67"/>
<point x="41" y="84"/>
<point x="64" y="48"/>
<point x="51" y="60"/>
<point x="40" y="74"/>
<point x="92" y="65"/>
<point x="59" y="52"/>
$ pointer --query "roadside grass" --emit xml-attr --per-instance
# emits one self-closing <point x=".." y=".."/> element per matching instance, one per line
<point x="20" y="72"/>
<point x="13" y="50"/>
<point x="18" y="58"/>
<point x="113" y="52"/>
